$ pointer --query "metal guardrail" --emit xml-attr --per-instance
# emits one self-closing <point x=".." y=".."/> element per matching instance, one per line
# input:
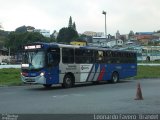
<point x="149" y="64"/>
<point x="10" y="66"/>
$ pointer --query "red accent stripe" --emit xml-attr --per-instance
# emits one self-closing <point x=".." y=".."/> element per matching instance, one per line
<point x="101" y="74"/>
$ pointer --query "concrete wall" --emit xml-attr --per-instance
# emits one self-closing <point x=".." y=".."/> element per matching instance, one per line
<point x="4" y="57"/>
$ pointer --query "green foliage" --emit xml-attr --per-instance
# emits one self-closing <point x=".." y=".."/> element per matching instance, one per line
<point x="17" y="40"/>
<point x="158" y="31"/>
<point x="86" y="38"/>
<point x="53" y="36"/>
<point x="21" y="29"/>
<point x="66" y="35"/>
<point x="3" y="33"/>
<point x="74" y="26"/>
<point x="0" y="26"/>
<point x="70" y="22"/>
<point x="3" y="37"/>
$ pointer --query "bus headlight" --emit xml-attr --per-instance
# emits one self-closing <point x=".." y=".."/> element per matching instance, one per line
<point x="42" y="74"/>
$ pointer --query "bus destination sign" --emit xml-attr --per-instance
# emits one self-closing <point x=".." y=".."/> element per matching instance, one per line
<point x="29" y="47"/>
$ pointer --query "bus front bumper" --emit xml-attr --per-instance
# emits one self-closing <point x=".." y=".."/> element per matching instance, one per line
<point x="34" y="80"/>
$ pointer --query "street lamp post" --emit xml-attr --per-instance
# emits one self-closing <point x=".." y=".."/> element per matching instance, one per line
<point x="104" y="12"/>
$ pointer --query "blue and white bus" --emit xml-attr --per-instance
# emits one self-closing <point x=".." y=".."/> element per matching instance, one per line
<point x="52" y="63"/>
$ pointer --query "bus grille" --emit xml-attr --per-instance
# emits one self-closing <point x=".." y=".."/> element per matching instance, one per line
<point x="31" y="80"/>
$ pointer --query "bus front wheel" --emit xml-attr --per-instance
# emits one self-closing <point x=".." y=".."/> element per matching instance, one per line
<point x="115" y="77"/>
<point x="67" y="81"/>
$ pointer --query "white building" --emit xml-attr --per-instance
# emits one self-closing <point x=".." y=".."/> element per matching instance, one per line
<point x="93" y="34"/>
<point x="102" y="41"/>
<point x="111" y="43"/>
<point x="44" y="32"/>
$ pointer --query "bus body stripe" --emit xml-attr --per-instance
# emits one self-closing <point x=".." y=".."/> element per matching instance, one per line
<point x="91" y="73"/>
<point x="96" y="73"/>
<point x="100" y="77"/>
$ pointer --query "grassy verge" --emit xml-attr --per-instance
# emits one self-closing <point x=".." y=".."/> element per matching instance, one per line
<point x="11" y="76"/>
<point x="148" y="72"/>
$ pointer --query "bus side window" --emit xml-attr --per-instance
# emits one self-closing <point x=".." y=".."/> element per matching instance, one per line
<point x="108" y="56"/>
<point x="88" y="56"/>
<point x="53" y="56"/>
<point x="118" y="57"/>
<point x="99" y="56"/>
<point x="84" y="56"/>
<point x="67" y="55"/>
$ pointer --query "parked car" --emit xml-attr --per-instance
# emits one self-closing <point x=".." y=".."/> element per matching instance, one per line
<point x="3" y="63"/>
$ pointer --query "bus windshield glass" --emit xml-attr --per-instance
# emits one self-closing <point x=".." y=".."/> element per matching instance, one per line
<point x="33" y="59"/>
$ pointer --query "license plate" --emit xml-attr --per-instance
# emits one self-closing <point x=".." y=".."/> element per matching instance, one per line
<point x="30" y="80"/>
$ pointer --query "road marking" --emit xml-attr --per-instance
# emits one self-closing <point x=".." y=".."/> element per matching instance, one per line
<point x="78" y="95"/>
<point x="62" y="96"/>
<point x="59" y="96"/>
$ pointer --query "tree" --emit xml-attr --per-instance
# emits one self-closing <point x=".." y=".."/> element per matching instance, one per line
<point x="0" y="26"/>
<point x="86" y="38"/>
<point x="53" y="36"/>
<point x="66" y="35"/>
<point x="16" y="40"/>
<point x="24" y="28"/>
<point x="158" y="31"/>
<point x="3" y="37"/>
<point x="74" y="26"/>
<point x="21" y="29"/>
<point x="3" y="33"/>
<point x="70" y="22"/>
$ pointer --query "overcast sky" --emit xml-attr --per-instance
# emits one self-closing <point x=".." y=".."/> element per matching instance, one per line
<point x="122" y="15"/>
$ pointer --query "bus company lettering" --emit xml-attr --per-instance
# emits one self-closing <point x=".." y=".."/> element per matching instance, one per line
<point x="85" y="67"/>
<point x="71" y="67"/>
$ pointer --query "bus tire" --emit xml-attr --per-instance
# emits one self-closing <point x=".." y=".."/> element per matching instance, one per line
<point x="47" y="85"/>
<point x="115" y="77"/>
<point x="68" y="81"/>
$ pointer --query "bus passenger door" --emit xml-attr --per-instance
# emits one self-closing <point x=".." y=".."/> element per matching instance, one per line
<point x="53" y="58"/>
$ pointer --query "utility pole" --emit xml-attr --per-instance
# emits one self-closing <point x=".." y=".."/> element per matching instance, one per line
<point x="104" y="12"/>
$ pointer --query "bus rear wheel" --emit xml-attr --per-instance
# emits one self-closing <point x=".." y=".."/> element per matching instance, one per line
<point x="67" y="81"/>
<point x="115" y="77"/>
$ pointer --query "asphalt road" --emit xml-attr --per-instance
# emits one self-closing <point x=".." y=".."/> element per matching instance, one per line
<point x="82" y="99"/>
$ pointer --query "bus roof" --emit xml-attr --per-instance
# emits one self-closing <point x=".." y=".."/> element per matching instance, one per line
<point x="47" y="45"/>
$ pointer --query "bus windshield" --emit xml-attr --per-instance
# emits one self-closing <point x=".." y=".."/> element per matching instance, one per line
<point x="33" y="59"/>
